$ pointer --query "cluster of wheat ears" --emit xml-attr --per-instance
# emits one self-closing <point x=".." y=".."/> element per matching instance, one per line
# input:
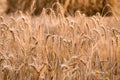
<point x="54" y="47"/>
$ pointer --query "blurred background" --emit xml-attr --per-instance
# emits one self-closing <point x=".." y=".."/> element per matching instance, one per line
<point x="35" y="7"/>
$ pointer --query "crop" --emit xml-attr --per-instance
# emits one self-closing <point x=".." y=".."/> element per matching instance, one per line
<point x="54" y="47"/>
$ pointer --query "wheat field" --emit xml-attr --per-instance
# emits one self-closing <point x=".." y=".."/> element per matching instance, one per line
<point x="54" y="47"/>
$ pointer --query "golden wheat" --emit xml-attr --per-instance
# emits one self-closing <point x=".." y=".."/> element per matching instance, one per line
<point x="74" y="48"/>
<point x="54" y="47"/>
